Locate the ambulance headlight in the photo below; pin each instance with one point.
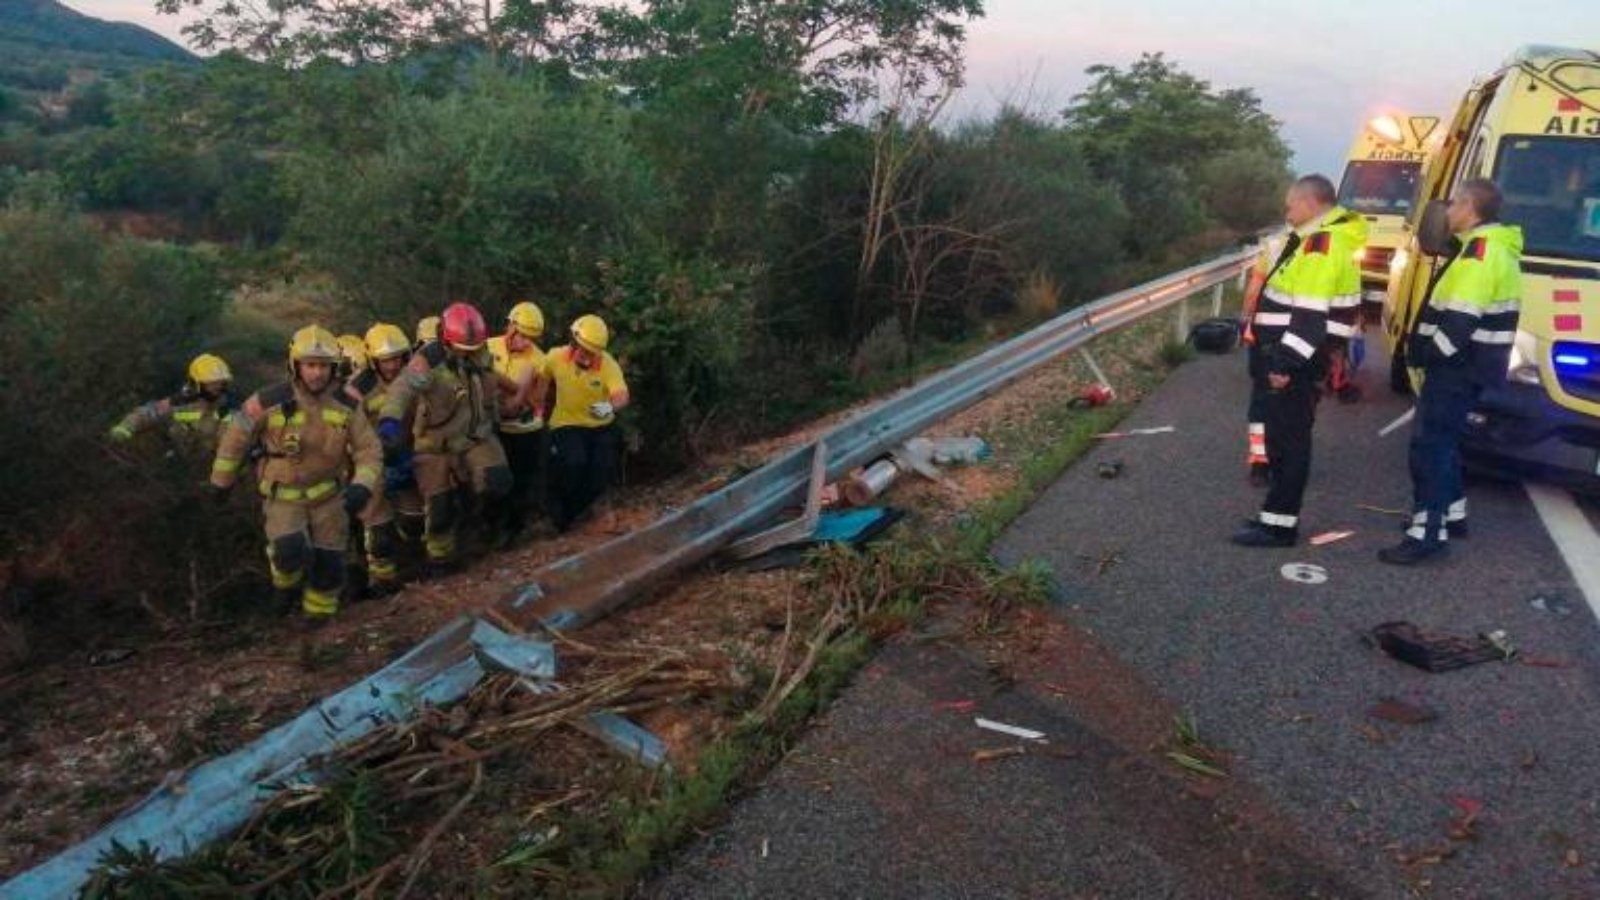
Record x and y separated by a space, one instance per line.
1399 260
1524 367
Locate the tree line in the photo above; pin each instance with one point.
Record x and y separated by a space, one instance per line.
768 200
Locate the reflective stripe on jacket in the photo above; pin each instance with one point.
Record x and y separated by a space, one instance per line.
1473 308
1314 295
308 442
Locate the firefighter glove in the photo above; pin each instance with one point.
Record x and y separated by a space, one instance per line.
389 432
356 498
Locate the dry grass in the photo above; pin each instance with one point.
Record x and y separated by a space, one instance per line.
1039 298
336 838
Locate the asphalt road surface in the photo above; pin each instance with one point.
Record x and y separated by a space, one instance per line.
1499 796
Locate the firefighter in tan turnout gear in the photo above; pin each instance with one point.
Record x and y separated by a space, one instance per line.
387 351
319 464
196 412
453 388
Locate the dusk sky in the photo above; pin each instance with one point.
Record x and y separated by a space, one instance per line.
1321 68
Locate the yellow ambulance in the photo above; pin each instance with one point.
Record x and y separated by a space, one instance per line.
1382 177
1534 127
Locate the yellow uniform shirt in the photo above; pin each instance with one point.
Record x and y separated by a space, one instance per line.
578 389
521 368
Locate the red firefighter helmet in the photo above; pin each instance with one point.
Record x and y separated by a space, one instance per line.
462 328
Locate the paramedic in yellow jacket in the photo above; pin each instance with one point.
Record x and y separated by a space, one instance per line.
452 386
520 363
1310 301
196 413
387 351
585 441
311 436
1462 343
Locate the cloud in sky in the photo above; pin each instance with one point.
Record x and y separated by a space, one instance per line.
1321 68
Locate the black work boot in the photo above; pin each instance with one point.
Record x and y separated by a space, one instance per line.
1258 534
1411 551
435 569
380 588
285 601
356 584
305 623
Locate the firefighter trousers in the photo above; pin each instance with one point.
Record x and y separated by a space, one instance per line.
305 549
480 467
381 533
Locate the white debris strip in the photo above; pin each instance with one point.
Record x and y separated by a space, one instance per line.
1137 432
1026 734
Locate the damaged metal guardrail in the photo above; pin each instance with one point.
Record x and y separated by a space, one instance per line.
208 802
580 589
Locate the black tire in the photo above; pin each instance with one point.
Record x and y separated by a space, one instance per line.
1399 380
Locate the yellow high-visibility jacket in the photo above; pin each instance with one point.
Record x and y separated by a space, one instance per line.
1314 295
1472 312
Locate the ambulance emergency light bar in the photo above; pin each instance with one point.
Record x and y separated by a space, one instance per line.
1387 128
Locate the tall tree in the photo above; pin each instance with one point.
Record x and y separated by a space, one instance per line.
1179 150
361 31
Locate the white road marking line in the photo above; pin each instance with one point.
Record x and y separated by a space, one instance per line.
1397 424
1574 538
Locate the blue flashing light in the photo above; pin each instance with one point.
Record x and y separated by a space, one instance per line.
1576 358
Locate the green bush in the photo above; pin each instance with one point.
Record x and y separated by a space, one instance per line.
509 190
489 194
89 328
683 332
1066 222
1243 188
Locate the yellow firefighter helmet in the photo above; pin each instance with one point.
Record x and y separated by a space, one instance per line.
527 319
354 351
208 367
591 333
385 341
314 343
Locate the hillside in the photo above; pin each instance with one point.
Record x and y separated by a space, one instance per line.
44 26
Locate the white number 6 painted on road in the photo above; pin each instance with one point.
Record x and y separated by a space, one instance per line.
1305 573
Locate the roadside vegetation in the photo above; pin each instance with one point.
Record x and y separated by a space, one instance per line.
506 799
773 230
768 202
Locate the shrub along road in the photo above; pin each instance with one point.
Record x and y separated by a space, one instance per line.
1158 618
